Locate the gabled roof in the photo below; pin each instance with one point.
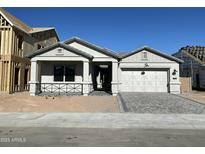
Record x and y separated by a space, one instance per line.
56 45
40 29
13 21
43 29
152 51
195 52
92 46
121 54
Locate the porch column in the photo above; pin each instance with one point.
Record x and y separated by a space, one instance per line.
85 78
34 78
114 78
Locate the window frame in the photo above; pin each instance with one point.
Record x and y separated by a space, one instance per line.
54 74
64 72
20 42
143 57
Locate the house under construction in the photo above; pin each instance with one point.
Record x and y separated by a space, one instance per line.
16 41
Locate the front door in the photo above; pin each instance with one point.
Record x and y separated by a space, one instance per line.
102 77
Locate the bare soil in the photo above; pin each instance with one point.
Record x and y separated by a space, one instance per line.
198 96
23 102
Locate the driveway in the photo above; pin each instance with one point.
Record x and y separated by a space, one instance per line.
159 103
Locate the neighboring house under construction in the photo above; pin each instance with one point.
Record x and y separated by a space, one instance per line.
194 64
16 41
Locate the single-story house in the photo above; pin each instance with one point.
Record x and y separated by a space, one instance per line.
79 67
194 64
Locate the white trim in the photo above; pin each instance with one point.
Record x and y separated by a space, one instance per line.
39 58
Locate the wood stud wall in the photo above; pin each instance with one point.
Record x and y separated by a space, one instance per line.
3 22
10 58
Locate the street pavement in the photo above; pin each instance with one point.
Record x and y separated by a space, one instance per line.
100 137
101 129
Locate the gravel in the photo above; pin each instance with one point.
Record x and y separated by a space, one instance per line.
159 103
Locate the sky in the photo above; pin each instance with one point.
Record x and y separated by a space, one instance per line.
122 29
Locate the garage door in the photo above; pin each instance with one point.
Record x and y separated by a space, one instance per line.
139 80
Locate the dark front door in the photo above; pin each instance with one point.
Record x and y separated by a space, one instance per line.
105 74
106 79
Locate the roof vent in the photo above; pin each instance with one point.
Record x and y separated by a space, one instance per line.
60 50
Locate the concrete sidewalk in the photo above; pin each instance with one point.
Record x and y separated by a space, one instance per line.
103 120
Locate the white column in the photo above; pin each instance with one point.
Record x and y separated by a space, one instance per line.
34 78
85 78
114 78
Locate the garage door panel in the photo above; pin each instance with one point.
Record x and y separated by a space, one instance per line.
152 81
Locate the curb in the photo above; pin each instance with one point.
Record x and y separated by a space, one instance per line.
104 120
122 103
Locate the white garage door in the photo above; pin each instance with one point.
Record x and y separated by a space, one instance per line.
138 80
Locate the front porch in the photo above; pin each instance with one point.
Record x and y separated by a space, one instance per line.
72 78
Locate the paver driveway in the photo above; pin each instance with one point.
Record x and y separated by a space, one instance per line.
159 103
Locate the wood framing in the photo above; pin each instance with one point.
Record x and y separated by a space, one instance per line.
16 41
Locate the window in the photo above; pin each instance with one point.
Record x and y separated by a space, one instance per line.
69 73
20 42
26 74
58 73
64 73
144 56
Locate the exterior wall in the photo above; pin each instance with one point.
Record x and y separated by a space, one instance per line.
153 61
98 56
151 58
190 68
202 77
28 45
47 74
45 38
60 52
88 50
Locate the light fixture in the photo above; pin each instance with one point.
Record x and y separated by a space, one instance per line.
174 72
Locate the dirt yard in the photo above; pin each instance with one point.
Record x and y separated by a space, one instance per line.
198 96
23 102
